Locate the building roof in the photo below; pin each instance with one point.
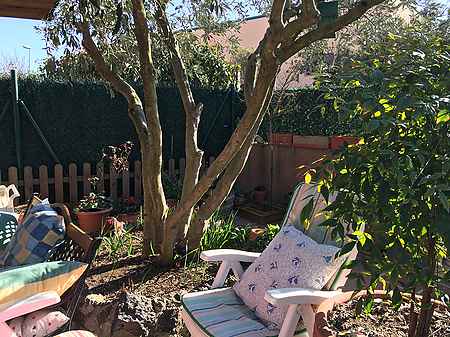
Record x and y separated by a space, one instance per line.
26 9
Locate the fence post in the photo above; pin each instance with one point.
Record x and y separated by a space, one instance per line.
59 183
13 176
113 183
182 168
86 176
172 168
28 182
125 184
43 181
73 183
16 114
99 172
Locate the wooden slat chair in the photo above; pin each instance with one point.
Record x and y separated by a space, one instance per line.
76 246
302 303
8 226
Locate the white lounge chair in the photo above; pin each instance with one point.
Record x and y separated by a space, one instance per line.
237 319
7 196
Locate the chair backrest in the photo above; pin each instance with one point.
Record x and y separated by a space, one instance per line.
8 226
7 196
77 244
302 195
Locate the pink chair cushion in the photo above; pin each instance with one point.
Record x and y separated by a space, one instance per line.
40 323
292 260
16 326
77 333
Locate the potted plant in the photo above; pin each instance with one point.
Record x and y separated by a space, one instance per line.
93 209
171 190
128 210
259 194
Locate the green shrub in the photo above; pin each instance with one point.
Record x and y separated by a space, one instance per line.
396 181
223 233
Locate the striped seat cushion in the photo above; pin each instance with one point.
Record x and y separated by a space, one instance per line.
221 313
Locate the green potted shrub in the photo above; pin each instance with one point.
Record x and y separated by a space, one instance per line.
93 209
260 194
128 210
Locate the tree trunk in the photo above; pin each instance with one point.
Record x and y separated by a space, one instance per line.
192 112
155 210
226 182
426 306
412 315
155 207
426 311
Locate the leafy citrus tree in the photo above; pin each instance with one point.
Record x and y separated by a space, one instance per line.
395 182
293 25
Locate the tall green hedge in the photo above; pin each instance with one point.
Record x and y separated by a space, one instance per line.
79 119
303 112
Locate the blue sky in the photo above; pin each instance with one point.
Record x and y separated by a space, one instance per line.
14 33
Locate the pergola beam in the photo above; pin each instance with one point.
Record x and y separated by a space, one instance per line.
26 9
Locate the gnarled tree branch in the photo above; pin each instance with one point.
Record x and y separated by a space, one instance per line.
135 110
292 45
191 109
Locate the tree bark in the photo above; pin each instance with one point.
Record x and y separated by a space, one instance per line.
225 183
155 207
412 315
426 305
192 111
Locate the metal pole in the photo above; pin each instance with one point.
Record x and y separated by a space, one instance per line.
29 56
39 131
16 116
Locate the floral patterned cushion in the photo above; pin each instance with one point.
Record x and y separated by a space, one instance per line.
40 323
43 323
76 333
16 326
292 260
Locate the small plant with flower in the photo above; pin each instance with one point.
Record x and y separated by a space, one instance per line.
94 201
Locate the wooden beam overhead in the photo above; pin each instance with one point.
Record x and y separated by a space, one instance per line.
26 9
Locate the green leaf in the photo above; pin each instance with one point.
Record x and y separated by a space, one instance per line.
444 200
396 298
346 249
306 212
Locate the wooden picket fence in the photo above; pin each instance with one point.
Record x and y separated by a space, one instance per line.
66 185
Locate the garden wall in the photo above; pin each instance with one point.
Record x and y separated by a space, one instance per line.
276 167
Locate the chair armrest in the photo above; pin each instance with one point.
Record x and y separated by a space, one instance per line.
228 255
30 304
299 296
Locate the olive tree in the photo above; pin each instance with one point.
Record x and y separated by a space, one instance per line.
293 25
395 183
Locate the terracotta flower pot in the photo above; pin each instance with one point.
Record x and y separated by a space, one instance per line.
281 138
336 142
259 196
128 217
256 233
93 221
